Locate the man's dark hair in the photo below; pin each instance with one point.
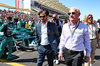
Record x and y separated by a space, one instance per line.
57 21
10 18
45 11
54 19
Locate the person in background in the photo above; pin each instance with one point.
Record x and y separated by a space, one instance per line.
15 22
1 21
19 23
7 28
82 21
30 20
98 24
23 23
27 24
94 21
74 40
32 24
65 21
47 38
93 34
58 21
39 22
79 19
54 20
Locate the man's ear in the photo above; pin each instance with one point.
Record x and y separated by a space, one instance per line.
79 14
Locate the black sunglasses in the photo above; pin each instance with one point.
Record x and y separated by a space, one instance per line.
71 13
42 16
90 18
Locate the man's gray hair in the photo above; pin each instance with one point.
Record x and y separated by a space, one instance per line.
78 10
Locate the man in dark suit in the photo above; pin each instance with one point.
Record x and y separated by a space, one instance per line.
47 38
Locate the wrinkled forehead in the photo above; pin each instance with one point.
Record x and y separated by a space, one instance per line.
73 10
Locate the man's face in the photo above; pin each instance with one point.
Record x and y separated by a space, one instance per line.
73 15
43 17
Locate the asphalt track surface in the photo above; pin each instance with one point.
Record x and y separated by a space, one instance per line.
29 58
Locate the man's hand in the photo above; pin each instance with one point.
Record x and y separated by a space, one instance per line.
86 59
60 56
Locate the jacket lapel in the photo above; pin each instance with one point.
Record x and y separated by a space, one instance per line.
48 28
40 29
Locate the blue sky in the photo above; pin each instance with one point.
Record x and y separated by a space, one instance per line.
85 6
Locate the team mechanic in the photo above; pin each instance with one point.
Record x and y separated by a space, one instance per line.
7 28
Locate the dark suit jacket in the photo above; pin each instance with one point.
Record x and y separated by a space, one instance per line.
52 32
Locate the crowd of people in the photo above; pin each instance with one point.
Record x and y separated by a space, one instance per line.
10 20
20 15
76 40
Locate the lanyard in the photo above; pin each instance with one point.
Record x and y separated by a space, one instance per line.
74 29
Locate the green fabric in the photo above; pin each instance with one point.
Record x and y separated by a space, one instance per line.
10 28
6 41
18 24
7 28
1 22
23 24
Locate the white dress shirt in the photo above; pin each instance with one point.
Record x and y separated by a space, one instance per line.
92 31
44 37
77 41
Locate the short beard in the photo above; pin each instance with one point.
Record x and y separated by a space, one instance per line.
44 21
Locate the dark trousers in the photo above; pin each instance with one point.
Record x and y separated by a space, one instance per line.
42 52
73 58
56 56
99 31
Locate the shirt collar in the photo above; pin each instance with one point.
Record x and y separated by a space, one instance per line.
75 24
45 24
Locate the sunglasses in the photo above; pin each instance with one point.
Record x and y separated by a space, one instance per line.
90 18
71 13
42 16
